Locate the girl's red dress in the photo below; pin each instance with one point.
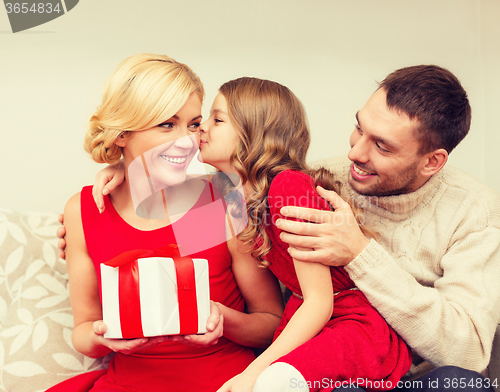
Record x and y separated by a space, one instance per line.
168 366
356 346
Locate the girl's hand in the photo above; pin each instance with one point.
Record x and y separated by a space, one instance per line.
125 346
215 326
106 181
243 382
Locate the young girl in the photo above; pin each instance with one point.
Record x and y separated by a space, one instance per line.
329 335
151 108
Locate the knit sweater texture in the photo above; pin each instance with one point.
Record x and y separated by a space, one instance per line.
434 270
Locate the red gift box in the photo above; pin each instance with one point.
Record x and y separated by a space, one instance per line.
154 293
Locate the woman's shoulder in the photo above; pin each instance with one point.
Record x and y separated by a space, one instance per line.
74 204
72 211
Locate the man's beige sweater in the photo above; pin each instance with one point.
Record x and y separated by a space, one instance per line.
434 271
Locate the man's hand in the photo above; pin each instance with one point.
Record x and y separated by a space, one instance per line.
61 232
334 236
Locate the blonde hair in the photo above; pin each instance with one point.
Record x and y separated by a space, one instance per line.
142 92
273 136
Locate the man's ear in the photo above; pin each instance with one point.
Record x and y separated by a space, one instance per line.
434 162
122 139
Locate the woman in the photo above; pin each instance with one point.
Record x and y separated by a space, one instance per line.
151 110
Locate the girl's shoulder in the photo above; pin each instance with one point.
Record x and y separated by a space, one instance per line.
294 188
291 181
291 174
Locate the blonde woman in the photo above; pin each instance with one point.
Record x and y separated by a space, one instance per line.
153 103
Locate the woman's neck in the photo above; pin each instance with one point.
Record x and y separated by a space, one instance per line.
159 209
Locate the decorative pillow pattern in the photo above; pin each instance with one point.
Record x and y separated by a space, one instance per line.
35 315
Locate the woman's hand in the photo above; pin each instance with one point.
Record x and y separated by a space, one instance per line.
125 346
215 326
106 181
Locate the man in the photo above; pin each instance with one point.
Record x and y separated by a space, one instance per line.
433 269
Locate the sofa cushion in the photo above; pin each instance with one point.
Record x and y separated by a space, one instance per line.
35 313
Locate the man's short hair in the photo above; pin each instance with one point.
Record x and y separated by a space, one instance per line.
435 97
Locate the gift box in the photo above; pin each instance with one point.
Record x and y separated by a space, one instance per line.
154 293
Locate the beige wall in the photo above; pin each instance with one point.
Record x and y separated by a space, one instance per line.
329 52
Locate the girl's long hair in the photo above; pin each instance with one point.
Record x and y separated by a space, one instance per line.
273 136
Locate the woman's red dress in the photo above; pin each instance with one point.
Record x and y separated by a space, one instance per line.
168 366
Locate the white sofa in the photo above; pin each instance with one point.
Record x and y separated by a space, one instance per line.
35 313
